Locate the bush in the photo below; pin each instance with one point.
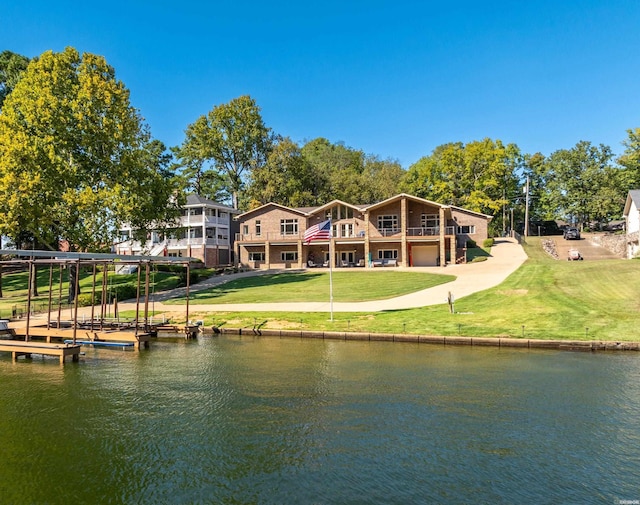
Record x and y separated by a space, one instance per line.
471 244
124 292
488 243
478 259
84 299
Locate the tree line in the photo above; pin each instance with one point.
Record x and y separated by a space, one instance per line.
77 161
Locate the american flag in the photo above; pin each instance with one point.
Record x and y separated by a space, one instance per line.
318 231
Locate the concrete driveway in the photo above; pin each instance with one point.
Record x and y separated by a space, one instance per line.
588 249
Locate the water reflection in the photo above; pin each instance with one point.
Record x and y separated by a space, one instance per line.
267 420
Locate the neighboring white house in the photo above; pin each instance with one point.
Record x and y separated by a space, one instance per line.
206 231
632 220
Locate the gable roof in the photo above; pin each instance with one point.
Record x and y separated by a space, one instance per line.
271 204
194 200
467 211
404 195
315 210
309 211
633 196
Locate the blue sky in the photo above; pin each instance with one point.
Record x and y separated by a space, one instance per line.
393 78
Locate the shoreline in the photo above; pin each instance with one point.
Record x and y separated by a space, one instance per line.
522 343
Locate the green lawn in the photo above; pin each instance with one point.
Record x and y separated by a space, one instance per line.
352 286
545 298
14 287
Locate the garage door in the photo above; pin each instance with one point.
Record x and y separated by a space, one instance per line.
425 256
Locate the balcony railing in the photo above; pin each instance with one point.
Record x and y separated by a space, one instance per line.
199 220
183 242
389 232
252 237
432 231
384 232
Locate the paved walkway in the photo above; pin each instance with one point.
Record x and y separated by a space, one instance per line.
506 257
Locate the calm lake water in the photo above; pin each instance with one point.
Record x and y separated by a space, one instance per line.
238 420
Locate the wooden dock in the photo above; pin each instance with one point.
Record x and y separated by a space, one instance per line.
18 348
189 331
51 335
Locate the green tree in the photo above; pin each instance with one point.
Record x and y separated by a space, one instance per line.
630 158
337 170
480 176
196 179
12 66
231 140
76 161
583 185
286 178
380 179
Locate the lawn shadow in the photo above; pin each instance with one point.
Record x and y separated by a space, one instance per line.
476 252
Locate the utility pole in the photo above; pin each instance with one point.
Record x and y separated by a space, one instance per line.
504 216
526 209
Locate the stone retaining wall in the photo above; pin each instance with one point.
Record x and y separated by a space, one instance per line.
569 345
617 244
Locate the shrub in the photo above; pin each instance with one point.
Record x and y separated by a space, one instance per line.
84 299
478 259
488 243
123 292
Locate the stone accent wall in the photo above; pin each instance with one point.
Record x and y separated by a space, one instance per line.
617 244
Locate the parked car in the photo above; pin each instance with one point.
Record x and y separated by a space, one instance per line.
572 234
574 255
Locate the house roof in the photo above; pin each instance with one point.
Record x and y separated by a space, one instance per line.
404 195
271 204
309 211
467 211
633 196
335 202
194 200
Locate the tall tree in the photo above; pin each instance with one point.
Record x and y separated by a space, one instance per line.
582 183
12 66
479 176
196 179
630 159
76 160
286 178
232 140
380 179
337 170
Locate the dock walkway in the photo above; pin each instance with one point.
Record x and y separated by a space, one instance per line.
18 348
61 334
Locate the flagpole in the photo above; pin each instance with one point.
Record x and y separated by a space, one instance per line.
330 278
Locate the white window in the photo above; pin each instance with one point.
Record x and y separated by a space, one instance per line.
245 229
430 220
388 254
389 222
288 227
258 228
341 212
466 229
256 256
346 229
289 255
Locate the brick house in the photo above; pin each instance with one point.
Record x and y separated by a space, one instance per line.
403 230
